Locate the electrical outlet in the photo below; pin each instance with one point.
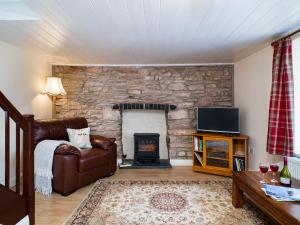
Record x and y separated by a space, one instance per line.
251 150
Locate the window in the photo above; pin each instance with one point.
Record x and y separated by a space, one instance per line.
296 72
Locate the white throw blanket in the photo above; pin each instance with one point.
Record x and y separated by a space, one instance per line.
43 160
24 221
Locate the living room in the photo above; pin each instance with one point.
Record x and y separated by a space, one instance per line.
140 73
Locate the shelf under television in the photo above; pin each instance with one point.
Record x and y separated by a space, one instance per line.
217 158
198 152
239 156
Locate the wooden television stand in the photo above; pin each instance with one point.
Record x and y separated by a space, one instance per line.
219 154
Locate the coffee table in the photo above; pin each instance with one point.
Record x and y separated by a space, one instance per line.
248 183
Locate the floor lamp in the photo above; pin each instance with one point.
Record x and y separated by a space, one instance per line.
54 88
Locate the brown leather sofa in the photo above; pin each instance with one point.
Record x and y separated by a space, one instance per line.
73 168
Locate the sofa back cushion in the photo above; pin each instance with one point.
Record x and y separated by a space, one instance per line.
56 129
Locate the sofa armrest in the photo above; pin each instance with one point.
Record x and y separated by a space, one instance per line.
65 149
65 173
98 141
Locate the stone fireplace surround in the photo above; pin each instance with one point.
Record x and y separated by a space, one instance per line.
92 92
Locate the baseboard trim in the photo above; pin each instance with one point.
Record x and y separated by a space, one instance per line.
181 162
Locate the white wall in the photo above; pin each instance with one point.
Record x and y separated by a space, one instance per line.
22 75
252 86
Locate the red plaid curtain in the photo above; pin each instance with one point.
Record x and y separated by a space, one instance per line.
281 112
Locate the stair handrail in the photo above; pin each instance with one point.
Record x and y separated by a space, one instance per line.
24 122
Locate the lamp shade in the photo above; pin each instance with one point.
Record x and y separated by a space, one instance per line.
54 87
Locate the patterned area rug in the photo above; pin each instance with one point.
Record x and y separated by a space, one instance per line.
162 202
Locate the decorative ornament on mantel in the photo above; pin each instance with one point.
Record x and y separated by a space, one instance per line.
54 88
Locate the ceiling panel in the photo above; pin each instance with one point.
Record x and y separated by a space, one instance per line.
151 31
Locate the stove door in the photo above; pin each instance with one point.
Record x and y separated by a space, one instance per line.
146 148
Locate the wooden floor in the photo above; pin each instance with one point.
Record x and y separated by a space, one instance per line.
56 209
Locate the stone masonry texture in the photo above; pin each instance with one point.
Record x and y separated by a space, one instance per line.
93 90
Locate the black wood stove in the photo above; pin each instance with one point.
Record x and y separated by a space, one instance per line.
146 148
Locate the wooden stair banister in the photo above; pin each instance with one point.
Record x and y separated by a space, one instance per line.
7 106
17 202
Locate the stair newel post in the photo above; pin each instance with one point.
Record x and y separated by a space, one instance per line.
28 167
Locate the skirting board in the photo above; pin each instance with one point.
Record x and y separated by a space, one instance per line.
181 162
176 162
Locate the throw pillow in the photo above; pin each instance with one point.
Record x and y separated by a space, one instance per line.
80 137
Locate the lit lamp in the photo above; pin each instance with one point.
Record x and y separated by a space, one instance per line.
54 88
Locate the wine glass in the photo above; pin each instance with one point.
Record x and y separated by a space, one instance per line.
264 167
124 156
274 167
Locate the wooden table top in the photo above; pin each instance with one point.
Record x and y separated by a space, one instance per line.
251 179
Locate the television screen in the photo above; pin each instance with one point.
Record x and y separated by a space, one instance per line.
225 120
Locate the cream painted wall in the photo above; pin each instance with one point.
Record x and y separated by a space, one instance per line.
22 75
252 86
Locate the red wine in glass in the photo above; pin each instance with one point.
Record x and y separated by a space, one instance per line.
264 167
274 167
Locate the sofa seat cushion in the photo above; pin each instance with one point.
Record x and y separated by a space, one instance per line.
94 158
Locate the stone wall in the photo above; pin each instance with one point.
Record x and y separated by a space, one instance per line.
91 92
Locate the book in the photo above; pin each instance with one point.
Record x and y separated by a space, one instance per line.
280 193
234 165
242 164
199 157
196 144
201 146
238 164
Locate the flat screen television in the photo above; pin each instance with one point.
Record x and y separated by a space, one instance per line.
223 120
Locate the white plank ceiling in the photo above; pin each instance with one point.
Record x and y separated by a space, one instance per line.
151 31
